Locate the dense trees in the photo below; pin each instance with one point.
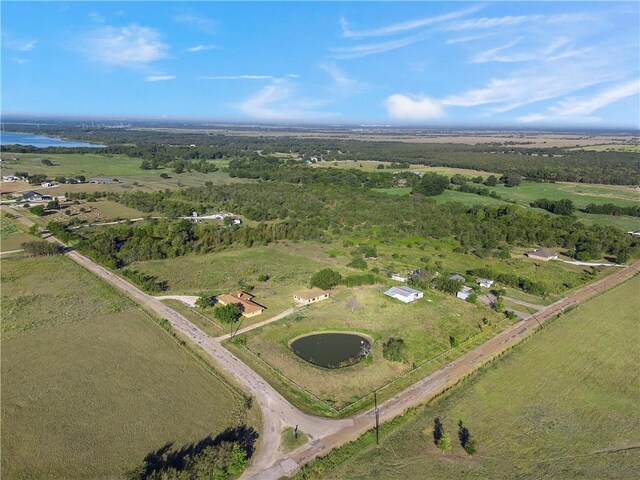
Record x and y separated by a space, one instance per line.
558 207
326 279
611 209
41 248
542 164
432 184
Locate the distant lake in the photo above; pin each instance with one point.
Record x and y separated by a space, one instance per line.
12 138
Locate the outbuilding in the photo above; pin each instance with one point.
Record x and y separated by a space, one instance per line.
305 297
542 254
404 294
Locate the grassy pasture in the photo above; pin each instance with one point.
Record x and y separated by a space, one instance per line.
424 325
90 384
561 405
12 234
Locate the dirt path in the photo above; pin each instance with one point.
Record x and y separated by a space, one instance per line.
11 251
326 434
275 318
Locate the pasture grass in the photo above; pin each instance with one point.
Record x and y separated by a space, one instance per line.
561 405
290 441
90 383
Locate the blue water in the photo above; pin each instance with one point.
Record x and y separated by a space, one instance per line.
12 138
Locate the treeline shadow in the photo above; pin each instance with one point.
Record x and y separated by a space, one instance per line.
167 457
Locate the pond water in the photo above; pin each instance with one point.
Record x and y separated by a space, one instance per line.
331 350
13 138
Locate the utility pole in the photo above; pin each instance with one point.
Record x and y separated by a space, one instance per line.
377 410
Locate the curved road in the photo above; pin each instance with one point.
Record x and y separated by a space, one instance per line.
326 434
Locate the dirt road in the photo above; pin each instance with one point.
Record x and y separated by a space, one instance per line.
326 434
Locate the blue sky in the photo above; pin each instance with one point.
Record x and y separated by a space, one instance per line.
452 63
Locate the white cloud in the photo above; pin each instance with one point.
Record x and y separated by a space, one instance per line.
363 50
512 20
582 107
237 77
129 46
412 108
343 83
281 101
159 78
202 23
96 17
20 61
18 44
550 52
200 48
403 26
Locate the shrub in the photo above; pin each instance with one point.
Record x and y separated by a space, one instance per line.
326 279
37 210
358 262
263 277
41 248
394 349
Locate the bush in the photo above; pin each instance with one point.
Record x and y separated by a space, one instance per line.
358 262
41 248
394 349
432 184
38 210
360 279
454 342
326 279
263 277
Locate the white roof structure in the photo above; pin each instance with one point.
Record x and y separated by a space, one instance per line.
404 294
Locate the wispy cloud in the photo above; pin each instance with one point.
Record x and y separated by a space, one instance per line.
413 108
237 77
159 78
343 84
200 48
484 23
96 17
20 61
201 22
581 107
18 44
280 100
402 27
363 50
130 46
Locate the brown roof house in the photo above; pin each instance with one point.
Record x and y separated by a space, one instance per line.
244 300
542 254
305 297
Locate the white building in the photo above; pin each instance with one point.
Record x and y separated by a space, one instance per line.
404 294
484 282
464 293
399 278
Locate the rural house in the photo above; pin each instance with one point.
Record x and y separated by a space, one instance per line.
464 293
305 297
484 282
244 300
404 294
542 254
32 196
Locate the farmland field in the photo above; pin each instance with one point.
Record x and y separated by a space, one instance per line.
12 235
90 383
562 405
425 327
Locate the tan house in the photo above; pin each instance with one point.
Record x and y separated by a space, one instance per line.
305 297
542 254
244 300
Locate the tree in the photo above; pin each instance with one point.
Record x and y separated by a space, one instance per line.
145 164
41 248
498 305
164 175
394 349
438 430
205 300
477 179
444 444
53 205
237 460
37 210
491 181
61 179
358 262
263 277
458 179
228 314
453 341
46 162
511 180
466 441
325 279
432 184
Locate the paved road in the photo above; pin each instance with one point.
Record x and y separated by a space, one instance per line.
325 434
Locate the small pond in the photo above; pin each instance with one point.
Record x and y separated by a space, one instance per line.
332 350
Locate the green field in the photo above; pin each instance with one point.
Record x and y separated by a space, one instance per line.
562 405
12 234
90 383
527 192
424 325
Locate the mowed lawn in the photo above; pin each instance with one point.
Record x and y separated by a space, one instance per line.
90 383
425 326
562 405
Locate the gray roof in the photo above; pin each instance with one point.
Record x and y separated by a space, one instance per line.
31 194
541 252
457 277
402 291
